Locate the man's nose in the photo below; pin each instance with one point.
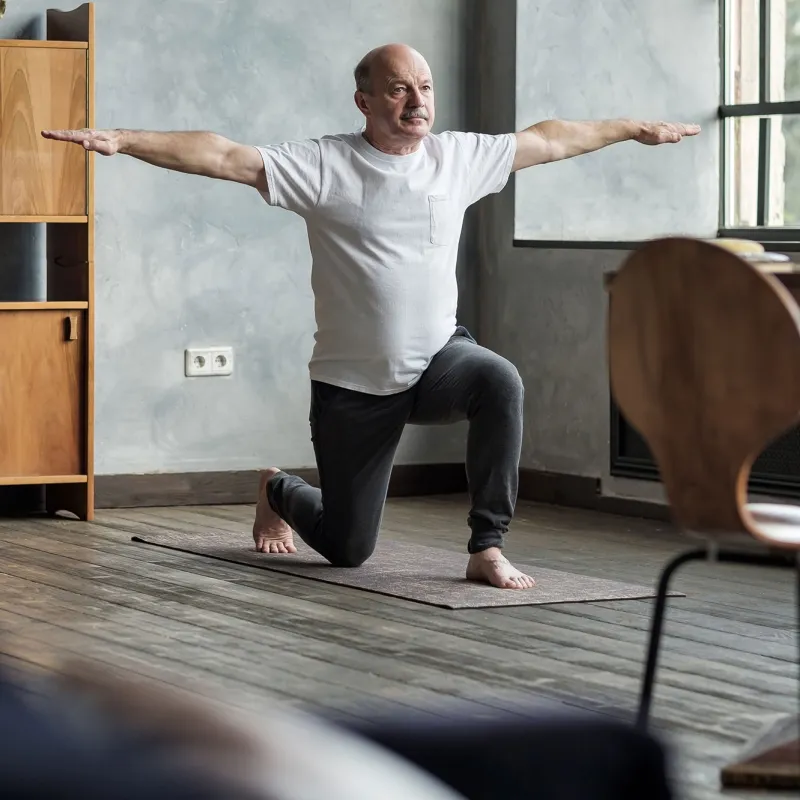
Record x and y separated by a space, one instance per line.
415 99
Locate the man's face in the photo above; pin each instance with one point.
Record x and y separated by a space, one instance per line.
400 107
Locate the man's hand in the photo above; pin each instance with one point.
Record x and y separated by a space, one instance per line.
107 143
653 133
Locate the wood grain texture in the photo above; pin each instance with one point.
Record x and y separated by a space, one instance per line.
83 22
38 480
43 44
704 356
70 257
41 395
42 218
41 89
212 629
44 306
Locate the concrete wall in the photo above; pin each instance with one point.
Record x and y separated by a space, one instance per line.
185 261
545 309
603 60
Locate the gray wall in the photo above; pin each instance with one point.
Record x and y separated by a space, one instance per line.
545 309
184 261
607 59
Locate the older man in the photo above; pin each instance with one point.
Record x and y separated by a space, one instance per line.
384 208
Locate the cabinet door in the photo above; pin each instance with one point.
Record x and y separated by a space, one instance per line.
42 393
41 89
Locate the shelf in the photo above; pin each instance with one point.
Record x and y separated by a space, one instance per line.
54 45
12 218
56 305
38 480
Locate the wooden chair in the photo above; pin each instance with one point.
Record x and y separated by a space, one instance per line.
704 361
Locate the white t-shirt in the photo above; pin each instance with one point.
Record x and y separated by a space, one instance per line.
383 232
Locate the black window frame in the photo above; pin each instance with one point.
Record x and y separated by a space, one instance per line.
773 237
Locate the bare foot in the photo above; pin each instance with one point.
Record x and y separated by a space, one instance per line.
491 566
270 533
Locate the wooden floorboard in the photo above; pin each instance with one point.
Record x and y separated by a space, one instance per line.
251 637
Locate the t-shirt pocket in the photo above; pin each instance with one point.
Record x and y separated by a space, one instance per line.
442 219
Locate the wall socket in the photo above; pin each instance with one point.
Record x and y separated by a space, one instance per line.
208 362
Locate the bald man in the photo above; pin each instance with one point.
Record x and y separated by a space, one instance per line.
384 208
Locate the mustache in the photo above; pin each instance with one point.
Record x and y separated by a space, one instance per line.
415 113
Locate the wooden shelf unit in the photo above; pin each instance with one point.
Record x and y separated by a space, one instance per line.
47 347
44 44
45 305
40 217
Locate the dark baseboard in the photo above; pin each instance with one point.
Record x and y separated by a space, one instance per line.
578 491
408 480
241 486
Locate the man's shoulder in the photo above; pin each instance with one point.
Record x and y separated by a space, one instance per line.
338 140
459 141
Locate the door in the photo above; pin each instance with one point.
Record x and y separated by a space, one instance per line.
41 88
42 392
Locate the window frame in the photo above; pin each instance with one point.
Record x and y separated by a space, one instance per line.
764 110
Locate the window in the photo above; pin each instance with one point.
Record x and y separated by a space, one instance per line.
761 118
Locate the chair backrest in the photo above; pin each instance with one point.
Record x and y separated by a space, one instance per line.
704 361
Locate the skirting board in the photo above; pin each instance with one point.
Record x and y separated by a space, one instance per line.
408 480
231 488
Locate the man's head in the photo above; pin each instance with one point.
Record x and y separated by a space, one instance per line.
394 91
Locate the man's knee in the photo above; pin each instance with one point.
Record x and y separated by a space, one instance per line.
501 380
352 551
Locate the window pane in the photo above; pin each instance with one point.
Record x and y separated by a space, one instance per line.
784 56
741 158
742 79
784 168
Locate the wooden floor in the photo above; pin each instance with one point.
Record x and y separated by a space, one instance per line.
729 665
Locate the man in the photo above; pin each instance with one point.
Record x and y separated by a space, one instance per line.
384 209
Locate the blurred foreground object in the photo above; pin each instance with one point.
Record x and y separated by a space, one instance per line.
91 734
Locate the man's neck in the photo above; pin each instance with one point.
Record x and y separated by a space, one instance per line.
392 149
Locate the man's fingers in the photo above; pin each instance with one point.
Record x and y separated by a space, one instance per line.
71 136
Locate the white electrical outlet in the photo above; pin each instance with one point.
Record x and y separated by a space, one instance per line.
205 362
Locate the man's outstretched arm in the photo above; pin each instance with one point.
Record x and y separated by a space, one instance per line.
194 152
555 140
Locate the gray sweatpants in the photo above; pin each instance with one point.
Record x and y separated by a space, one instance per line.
355 437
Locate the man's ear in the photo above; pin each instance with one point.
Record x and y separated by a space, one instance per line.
361 102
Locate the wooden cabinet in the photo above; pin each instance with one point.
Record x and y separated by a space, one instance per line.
41 88
42 393
47 347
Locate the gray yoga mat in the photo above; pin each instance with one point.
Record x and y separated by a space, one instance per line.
423 574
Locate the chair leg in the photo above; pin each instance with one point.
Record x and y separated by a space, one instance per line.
655 631
724 556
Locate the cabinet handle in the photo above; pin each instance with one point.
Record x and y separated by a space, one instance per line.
72 327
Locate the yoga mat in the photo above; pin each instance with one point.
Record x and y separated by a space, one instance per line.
422 574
